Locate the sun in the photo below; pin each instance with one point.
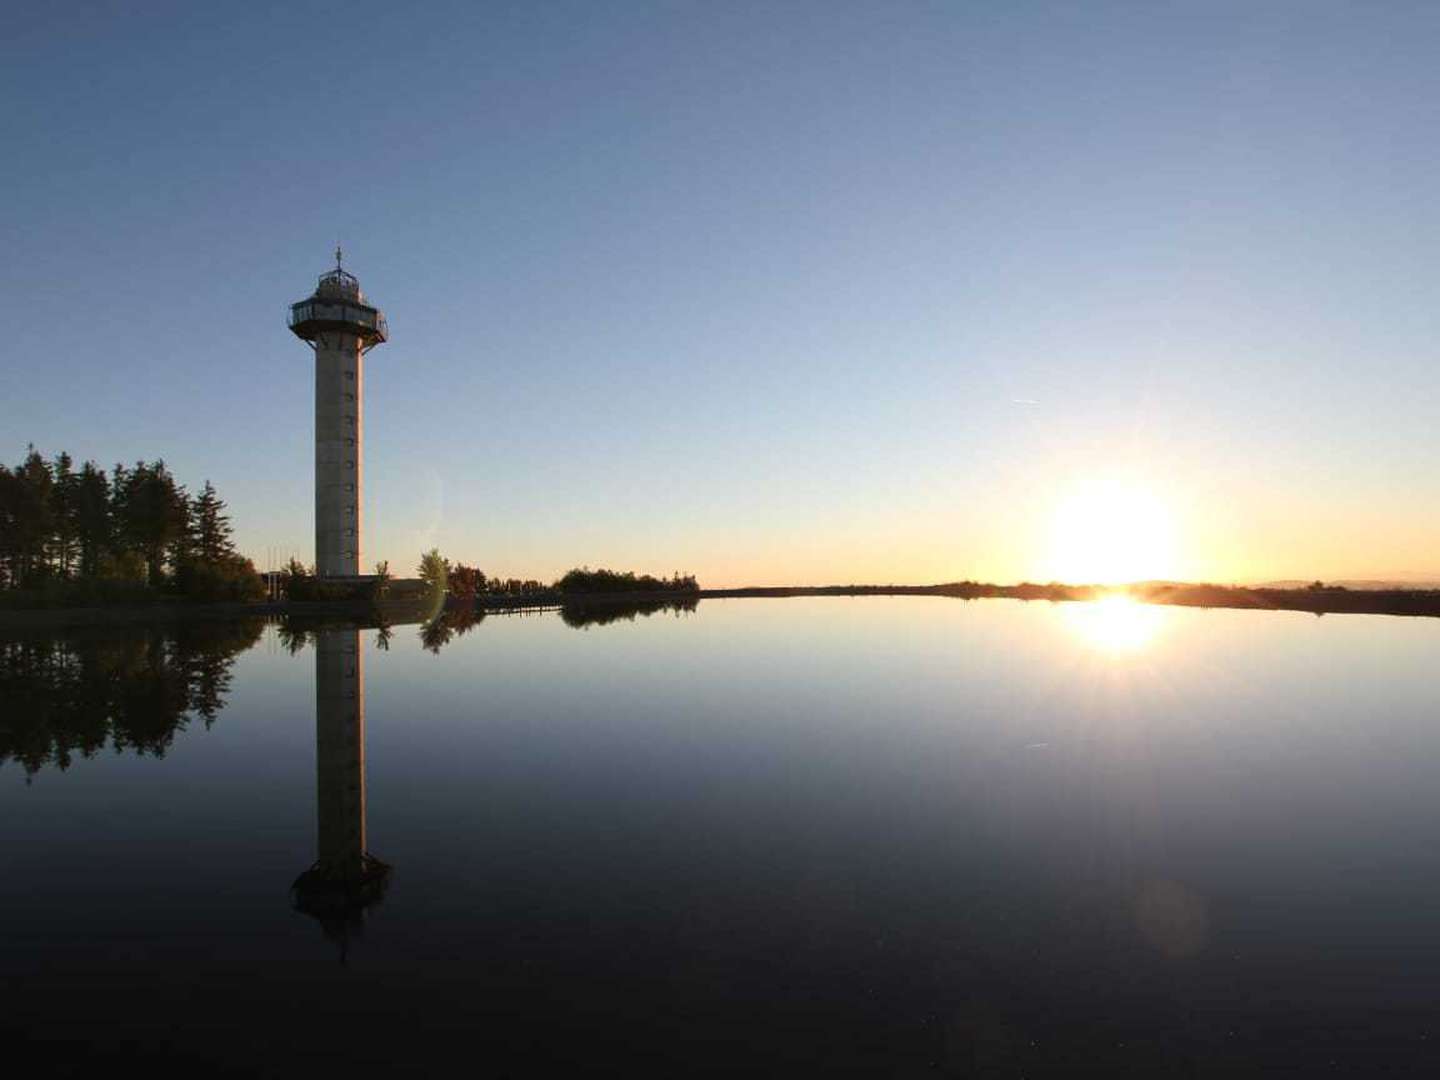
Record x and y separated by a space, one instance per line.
1111 531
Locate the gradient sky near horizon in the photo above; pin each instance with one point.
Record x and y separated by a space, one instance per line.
773 293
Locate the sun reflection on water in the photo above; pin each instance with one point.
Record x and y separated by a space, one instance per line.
1115 623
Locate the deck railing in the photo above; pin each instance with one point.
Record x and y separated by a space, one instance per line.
332 311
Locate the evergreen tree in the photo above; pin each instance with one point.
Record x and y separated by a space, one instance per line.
154 518
181 548
136 526
9 501
210 525
34 517
93 529
65 546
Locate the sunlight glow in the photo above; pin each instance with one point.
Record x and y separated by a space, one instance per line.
1111 531
1115 624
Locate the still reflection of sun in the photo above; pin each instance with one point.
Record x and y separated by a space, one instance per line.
1114 624
1110 531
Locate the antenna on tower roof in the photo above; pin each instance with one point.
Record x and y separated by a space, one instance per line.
337 255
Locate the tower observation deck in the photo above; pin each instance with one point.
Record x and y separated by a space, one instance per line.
341 326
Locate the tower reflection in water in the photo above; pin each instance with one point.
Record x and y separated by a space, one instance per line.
345 880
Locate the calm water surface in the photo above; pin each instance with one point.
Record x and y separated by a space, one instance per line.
876 836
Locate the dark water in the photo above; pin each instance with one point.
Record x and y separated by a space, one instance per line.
883 837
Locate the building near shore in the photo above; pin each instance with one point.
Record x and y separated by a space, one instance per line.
340 325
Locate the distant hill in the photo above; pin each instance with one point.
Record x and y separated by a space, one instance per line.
1399 581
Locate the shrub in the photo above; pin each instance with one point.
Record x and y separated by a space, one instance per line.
229 577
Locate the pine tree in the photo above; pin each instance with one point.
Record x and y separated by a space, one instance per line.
135 525
65 548
210 525
9 528
153 515
181 547
34 516
93 527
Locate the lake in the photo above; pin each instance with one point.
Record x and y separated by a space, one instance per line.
875 836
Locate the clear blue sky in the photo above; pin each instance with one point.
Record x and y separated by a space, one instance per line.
768 292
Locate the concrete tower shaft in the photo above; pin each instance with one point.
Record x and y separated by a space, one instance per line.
341 326
339 455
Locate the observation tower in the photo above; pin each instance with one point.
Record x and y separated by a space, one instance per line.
341 326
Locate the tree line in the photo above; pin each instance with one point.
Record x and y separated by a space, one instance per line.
585 580
459 580
81 534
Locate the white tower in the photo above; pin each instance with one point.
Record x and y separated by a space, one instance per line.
341 327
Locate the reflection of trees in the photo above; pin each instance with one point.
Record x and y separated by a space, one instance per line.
577 612
132 689
582 613
293 635
452 623
296 633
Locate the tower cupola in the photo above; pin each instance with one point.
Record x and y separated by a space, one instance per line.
338 306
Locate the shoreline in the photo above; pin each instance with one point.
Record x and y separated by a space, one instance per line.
1322 601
